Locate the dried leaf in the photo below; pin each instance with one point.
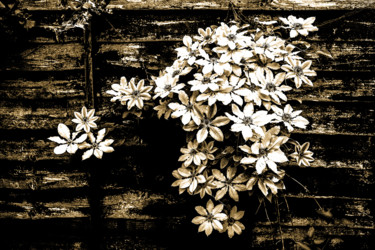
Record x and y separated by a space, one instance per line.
325 213
302 246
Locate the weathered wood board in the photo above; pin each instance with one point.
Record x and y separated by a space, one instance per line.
125 201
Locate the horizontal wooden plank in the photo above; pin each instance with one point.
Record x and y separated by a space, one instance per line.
30 90
47 57
131 26
158 55
217 4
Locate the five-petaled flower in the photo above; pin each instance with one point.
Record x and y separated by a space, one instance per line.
96 146
68 144
265 152
192 154
210 217
85 120
299 25
209 125
232 225
248 121
289 117
298 71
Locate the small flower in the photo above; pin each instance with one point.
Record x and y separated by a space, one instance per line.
68 144
163 109
190 178
210 217
206 187
137 94
299 25
267 151
208 149
188 109
192 154
232 224
264 64
85 120
209 125
268 46
267 181
166 85
298 71
247 121
213 64
178 68
118 90
228 36
229 183
271 86
205 36
188 52
302 155
289 117
203 82
97 146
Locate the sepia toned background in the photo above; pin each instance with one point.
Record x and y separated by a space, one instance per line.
125 201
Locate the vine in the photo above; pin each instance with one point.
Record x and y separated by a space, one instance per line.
228 90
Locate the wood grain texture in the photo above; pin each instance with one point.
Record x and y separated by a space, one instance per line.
125 201
216 4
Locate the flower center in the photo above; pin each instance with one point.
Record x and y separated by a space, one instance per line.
298 70
84 119
262 152
167 87
248 121
270 87
213 60
265 46
286 117
231 37
136 93
206 80
207 37
175 73
297 26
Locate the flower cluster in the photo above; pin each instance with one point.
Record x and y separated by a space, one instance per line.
228 88
71 142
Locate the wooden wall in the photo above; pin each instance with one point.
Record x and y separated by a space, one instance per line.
125 201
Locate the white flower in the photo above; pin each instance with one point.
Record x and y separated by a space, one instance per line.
68 144
266 152
269 46
228 36
248 121
136 94
289 117
188 108
188 52
271 86
203 82
165 85
298 71
213 64
118 90
205 36
210 218
299 25
97 146
85 120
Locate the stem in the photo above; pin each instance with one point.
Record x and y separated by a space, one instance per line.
278 221
306 189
